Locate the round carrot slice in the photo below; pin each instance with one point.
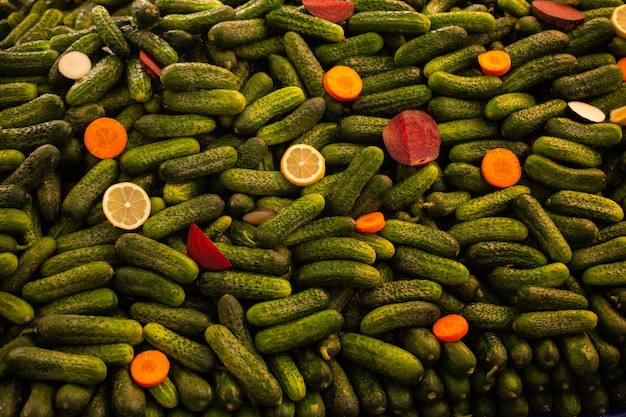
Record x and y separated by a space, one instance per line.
342 83
149 368
105 138
450 328
501 168
370 222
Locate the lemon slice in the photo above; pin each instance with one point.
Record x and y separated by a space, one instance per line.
302 164
618 116
618 18
126 205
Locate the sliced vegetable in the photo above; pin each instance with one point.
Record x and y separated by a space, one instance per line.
370 222
562 16
149 368
150 65
202 250
586 111
622 64
335 11
105 138
494 62
412 138
450 328
342 83
501 168
74 65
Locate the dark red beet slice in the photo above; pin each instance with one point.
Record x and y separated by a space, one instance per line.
560 15
412 138
202 250
335 11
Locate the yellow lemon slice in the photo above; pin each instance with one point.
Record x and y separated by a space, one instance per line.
618 18
126 205
618 116
302 164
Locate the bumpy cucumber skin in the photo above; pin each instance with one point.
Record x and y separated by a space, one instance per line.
248 370
30 362
554 323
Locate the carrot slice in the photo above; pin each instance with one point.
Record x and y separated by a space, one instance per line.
105 138
494 62
149 368
622 64
370 222
450 328
501 168
343 83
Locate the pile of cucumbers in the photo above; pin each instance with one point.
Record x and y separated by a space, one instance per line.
312 318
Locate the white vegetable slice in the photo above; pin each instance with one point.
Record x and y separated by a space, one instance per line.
587 111
74 65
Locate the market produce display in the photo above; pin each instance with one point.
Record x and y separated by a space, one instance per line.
318 208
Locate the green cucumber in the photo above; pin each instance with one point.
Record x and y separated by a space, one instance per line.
191 353
536 324
285 19
426 265
539 70
201 209
601 134
525 121
389 21
87 329
399 314
249 371
490 204
134 281
424 47
243 284
140 251
587 205
95 301
336 272
481 87
79 278
389 360
207 102
505 278
30 362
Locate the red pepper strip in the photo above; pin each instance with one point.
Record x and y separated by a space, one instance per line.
149 65
202 250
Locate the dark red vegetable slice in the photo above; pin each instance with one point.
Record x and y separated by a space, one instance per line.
202 250
335 11
560 15
149 65
412 138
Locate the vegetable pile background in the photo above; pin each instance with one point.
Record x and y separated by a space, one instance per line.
273 298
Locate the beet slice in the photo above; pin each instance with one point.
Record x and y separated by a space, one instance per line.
335 11
560 15
412 138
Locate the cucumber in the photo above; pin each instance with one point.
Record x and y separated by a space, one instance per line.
189 352
134 281
112 354
30 362
586 205
88 329
536 324
408 22
525 121
401 291
601 253
194 390
586 84
298 121
95 301
490 204
126 397
361 43
392 101
264 261
182 76
271 105
272 312
530 47
426 265
567 151
140 251
28 263
588 36
336 272
243 284
339 247
15 309
298 332
304 209
539 70
424 47
201 209
83 277
70 259
110 33
480 87
601 134
43 108
40 400
284 19
165 394
500 106
489 254
551 275
251 373
399 314
491 228
382 357
159 126
534 298
471 21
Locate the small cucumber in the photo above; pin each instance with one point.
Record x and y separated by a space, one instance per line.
537 324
